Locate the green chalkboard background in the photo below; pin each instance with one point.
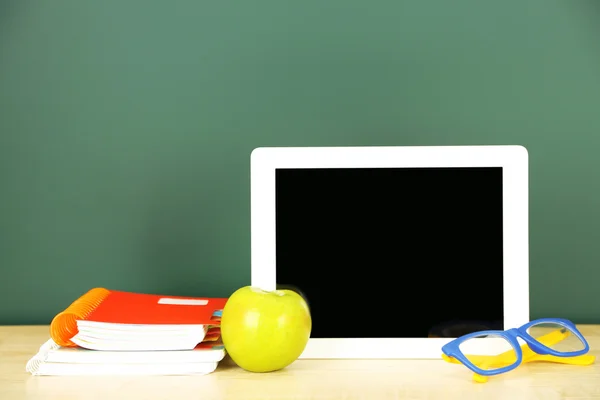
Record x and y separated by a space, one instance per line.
126 129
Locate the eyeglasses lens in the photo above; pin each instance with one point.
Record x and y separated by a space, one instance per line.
556 336
489 352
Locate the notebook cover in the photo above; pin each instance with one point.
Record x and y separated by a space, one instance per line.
136 308
111 306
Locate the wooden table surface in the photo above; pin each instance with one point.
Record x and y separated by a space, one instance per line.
304 379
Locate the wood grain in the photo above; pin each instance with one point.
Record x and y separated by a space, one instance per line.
305 379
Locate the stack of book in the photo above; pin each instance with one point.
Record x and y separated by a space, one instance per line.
108 332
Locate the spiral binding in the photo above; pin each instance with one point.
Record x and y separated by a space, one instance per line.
33 365
64 325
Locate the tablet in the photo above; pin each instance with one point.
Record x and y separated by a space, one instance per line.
397 250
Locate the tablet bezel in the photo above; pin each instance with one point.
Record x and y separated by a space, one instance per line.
512 159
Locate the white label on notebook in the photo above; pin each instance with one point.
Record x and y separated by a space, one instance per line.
183 302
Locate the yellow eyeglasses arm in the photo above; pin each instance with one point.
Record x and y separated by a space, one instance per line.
585 359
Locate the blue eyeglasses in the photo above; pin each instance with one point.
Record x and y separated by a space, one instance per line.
495 352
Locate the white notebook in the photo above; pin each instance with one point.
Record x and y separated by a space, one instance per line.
52 359
64 369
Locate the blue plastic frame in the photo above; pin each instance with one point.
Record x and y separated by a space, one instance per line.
452 349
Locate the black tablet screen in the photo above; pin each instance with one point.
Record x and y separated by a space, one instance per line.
406 252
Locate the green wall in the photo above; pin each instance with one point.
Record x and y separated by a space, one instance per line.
126 129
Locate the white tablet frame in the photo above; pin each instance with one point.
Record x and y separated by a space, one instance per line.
512 159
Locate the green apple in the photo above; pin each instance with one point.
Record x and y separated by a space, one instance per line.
265 331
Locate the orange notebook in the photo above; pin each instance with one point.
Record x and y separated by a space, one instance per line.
113 320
